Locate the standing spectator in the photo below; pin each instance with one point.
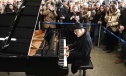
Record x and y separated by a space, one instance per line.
75 16
49 16
41 17
10 9
107 9
121 6
70 5
100 18
91 14
1 8
96 27
4 5
85 13
62 11
81 5
112 24
122 29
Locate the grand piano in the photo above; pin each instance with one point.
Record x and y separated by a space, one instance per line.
16 39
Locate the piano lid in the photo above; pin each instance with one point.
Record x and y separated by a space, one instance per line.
22 29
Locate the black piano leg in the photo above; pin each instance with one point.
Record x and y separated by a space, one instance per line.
8 73
84 72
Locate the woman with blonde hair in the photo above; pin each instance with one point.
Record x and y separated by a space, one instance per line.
112 24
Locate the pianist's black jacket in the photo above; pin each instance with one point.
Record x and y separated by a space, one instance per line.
82 48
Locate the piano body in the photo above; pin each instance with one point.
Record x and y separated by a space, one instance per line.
16 38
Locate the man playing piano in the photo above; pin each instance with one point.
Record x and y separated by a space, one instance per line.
81 48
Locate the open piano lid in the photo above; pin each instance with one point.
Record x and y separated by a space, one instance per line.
22 29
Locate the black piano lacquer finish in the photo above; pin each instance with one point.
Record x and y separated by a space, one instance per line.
14 57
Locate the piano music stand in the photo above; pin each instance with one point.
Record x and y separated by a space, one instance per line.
49 37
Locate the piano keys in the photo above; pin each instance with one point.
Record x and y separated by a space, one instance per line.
62 51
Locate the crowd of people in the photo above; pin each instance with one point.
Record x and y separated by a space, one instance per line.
88 13
10 6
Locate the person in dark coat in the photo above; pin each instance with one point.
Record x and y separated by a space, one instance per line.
81 48
122 29
62 12
9 9
99 19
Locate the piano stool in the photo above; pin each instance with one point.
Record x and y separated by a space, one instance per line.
85 66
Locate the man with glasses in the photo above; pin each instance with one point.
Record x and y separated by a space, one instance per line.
81 48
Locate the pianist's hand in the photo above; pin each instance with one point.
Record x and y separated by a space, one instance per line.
67 48
67 54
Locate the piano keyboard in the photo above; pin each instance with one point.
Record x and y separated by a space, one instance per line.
62 51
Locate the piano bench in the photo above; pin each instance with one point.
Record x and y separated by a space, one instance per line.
84 67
